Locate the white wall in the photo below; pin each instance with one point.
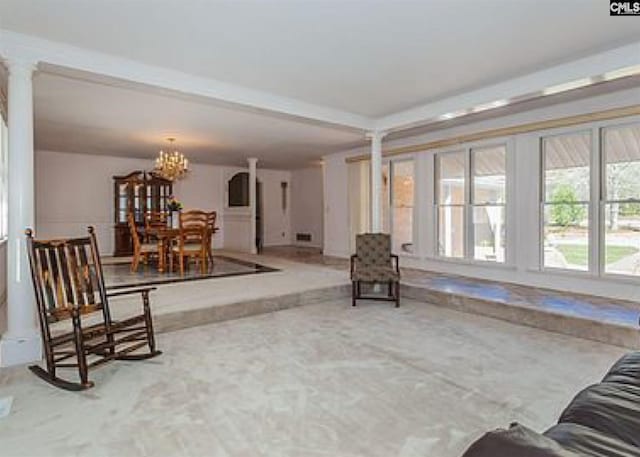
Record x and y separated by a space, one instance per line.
76 190
522 209
277 221
336 206
307 205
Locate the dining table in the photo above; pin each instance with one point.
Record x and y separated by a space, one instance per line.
165 235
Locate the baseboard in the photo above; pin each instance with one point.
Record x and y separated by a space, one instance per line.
20 350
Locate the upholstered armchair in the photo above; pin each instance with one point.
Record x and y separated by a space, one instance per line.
373 263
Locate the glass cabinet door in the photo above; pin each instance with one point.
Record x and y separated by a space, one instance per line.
123 203
137 202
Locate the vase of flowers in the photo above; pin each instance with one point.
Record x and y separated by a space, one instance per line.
174 206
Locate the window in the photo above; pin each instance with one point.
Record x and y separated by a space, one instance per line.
4 173
359 199
489 193
450 203
239 190
396 198
591 201
621 199
471 201
402 195
566 197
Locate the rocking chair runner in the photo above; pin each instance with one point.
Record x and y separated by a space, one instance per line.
69 284
372 263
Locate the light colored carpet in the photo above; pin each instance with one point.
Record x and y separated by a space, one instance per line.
318 380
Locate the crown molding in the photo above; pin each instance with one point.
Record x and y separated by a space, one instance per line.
582 72
592 69
15 45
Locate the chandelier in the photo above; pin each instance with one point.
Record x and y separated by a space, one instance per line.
171 164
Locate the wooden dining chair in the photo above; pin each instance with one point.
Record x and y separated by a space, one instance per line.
191 244
140 250
69 288
193 218
154 220
211 223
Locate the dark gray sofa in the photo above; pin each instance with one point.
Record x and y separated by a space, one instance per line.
603 420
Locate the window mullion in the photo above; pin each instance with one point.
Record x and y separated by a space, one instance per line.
468 206
596 224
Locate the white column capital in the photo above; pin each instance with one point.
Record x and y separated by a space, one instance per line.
252 161
376 135
21 66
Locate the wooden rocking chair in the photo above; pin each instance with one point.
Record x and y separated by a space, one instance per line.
69 284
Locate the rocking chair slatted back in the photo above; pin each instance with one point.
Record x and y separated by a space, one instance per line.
67 276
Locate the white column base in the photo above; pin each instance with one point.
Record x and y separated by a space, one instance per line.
20 350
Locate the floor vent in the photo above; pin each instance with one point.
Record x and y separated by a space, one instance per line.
303 236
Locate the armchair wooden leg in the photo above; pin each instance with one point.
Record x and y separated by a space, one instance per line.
353 293
397 297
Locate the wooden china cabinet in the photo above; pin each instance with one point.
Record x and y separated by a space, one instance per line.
138 192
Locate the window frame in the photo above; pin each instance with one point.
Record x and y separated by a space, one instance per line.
468 204
388 197
597 228
437 205
542 201
602 200
473 204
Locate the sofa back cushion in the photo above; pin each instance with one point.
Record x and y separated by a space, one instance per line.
517 441
610 408
585 441
626 370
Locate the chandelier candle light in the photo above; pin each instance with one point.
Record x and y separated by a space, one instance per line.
172 164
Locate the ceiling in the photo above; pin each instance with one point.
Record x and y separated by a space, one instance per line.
372 58
74 114
85 117
367 57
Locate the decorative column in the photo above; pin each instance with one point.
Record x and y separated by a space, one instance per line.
253 203
376 180
21 342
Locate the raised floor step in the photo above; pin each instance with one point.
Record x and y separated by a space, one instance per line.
594 318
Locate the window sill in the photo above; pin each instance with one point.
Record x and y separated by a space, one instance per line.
621 279
407 255
471 263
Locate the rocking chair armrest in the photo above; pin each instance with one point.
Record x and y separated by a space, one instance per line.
138 290
397 259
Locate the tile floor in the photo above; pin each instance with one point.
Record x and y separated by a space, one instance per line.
318 380
118 274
